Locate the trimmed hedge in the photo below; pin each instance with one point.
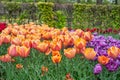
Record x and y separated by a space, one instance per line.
79 15
102 16
46 13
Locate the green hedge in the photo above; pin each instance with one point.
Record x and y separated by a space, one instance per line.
87 16
84 15
46 13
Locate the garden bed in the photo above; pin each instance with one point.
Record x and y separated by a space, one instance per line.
69 55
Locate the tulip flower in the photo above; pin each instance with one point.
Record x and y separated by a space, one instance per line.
5 58
56 46
68 77
27 43
68 41
70 52
54 53
43 46
87 36
12 51
79 51
14 31
35 43
56 57
97 69
44 70
2 26
7 38
79 32
103 60
1 40
113 52
80 43
16 41
23 51
47 35
19 66
89 53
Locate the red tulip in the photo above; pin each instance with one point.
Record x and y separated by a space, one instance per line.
2 26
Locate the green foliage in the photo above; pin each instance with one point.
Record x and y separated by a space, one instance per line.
12 6
46 13
86 16
60 19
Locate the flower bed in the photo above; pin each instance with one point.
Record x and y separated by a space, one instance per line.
63 54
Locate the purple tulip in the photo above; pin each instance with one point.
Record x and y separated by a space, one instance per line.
112 65
97 69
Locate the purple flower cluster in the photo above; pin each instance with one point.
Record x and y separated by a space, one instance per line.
101 44
97 69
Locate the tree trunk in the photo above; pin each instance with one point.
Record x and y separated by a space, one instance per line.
78 1
99 1
57 1
116 1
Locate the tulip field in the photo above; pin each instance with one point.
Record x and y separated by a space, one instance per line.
39 52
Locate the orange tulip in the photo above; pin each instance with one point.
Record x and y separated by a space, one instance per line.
68 77
43 46
113 52
103 60
35 43
23 51
14 31
1 40
70 52
79 51
56 58
16 41
47 35
54 53
44 70
89 53
19 66
88 36
68 41
48 51
7 30
7 38
80 43
6 58
56 46
64 30
27 43
12 51
79 32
